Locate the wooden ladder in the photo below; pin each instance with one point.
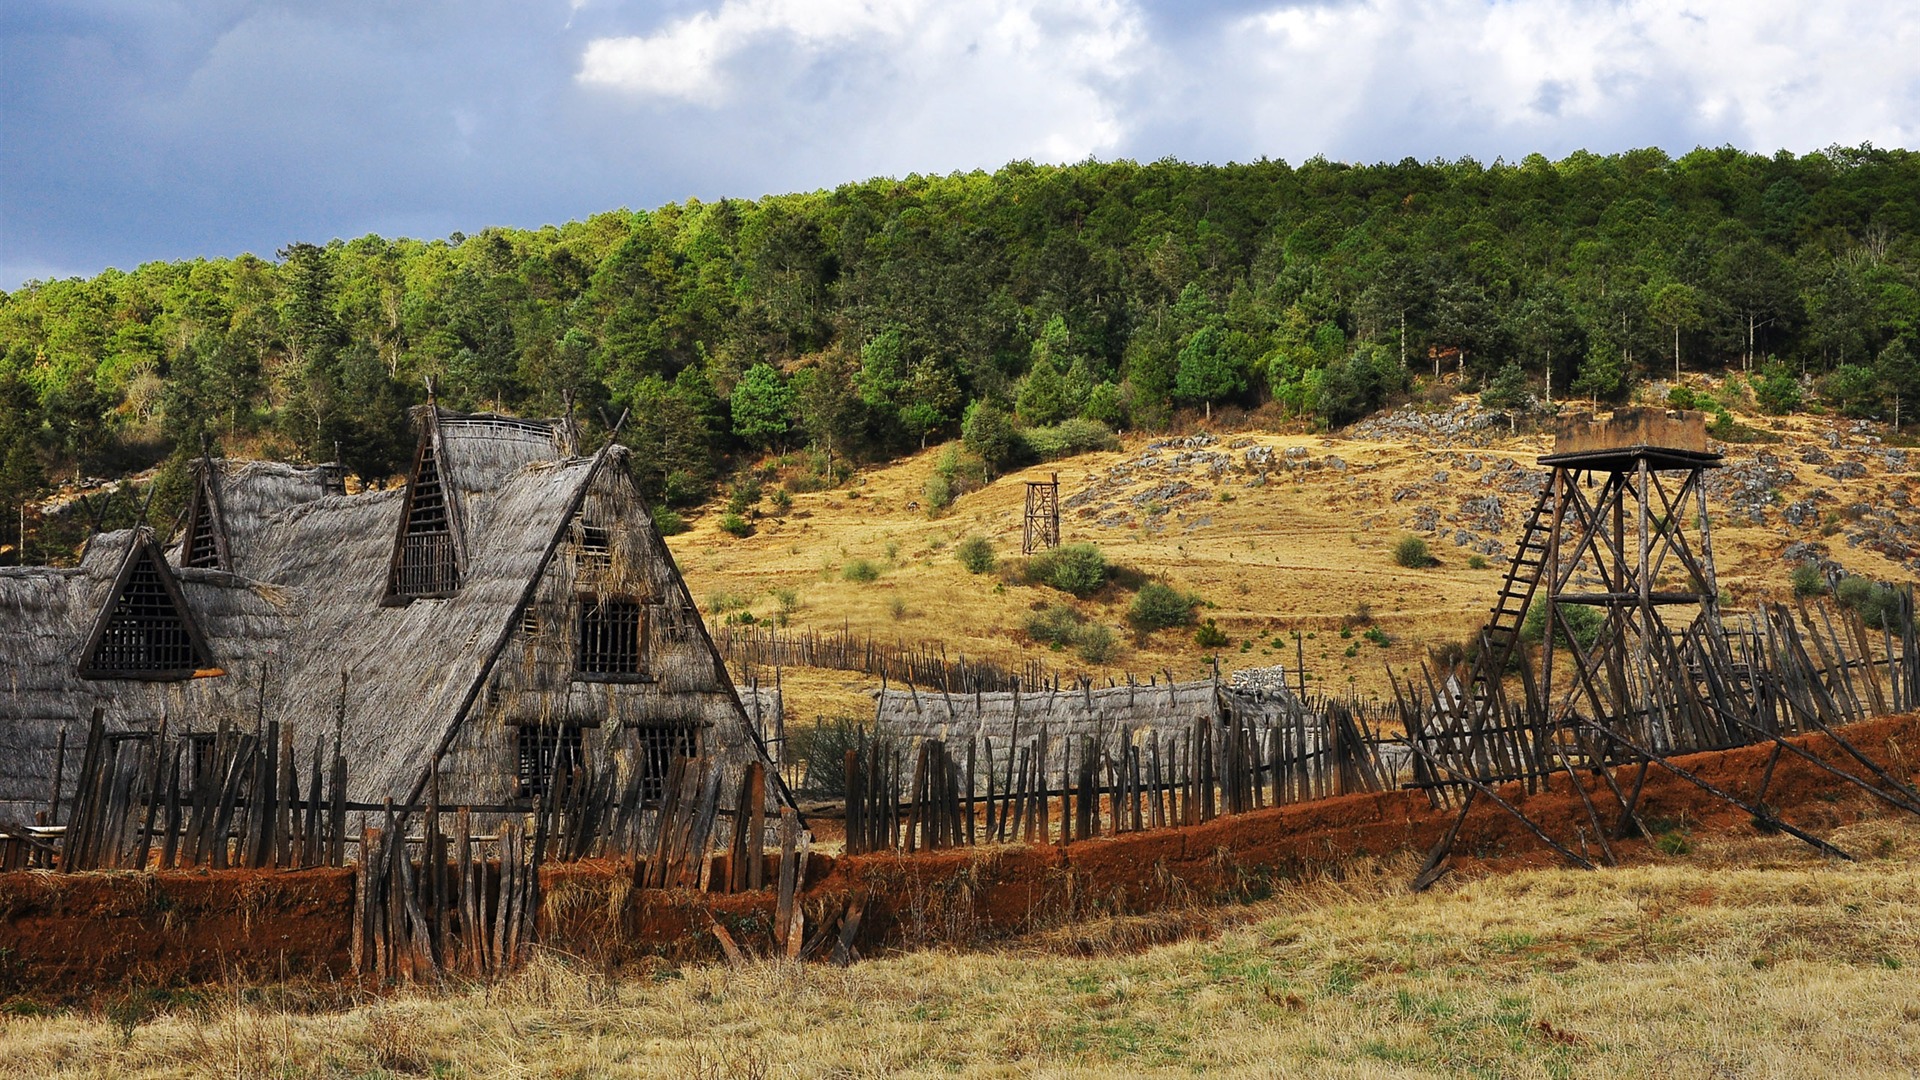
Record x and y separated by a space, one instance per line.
1502 632
1463 722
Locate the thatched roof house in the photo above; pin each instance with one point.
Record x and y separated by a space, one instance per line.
509 612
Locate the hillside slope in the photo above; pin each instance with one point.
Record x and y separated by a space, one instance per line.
1278 533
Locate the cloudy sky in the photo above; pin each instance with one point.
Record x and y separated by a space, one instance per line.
134 130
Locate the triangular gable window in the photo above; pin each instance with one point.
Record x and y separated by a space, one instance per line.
425 560
145 631
205 544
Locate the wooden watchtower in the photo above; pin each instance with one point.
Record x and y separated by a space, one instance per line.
1043 515
1628 537
1620 528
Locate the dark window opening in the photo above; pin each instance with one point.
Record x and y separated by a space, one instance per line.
610 633
426 564
203 550
659 746
529 624
546 754
146 633
592 550
203 541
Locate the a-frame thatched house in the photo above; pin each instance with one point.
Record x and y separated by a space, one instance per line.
509 613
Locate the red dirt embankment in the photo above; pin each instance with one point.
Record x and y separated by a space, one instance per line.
63 934
60 933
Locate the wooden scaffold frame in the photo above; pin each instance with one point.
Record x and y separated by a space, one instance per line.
1042 529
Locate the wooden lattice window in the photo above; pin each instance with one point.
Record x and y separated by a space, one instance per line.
205 544
592 550
609 637
546 753
659 746
426 564
678 623
145 632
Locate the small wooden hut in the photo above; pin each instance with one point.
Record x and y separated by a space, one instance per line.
509 614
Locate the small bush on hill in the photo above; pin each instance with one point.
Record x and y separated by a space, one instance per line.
1157 606
1096 644
1413 553
1877 603
1681 397
1077 569
860 570
1210 636
744 496
976 554
1777 391
668 523
954 475
1067 438
735 525
1055 624
1808 580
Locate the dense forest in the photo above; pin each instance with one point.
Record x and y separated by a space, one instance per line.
869 319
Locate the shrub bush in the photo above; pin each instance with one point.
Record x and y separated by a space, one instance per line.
937 492
782 500
1055 624
954 475
1777 391
821 750
1681 397
1413 553
735 525
744 496
668 523
1069 437
1158 606
1808 580
1096 644
976 554
1877 603
1210 636
1585 621
861 570
1077 569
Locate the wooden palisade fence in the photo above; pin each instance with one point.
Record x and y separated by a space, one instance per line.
939 794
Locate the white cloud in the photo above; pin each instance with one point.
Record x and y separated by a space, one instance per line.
1004 78
1759 73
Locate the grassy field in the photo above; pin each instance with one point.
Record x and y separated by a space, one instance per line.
1745 957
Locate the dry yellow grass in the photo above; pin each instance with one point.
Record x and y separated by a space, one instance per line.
1746 958
1299 553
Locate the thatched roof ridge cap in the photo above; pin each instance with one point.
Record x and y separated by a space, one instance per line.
23 573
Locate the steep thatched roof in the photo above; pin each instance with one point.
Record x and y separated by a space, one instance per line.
300 633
